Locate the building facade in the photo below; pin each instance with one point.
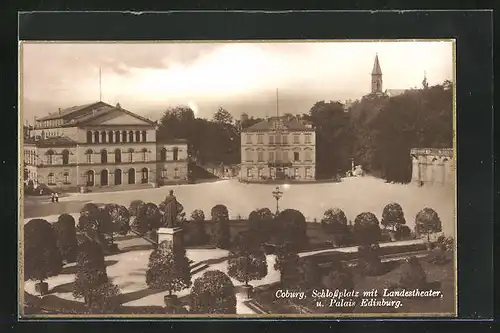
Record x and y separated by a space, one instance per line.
278 148
433 166
99 145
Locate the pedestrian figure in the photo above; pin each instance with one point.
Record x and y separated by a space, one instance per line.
52 197
57 197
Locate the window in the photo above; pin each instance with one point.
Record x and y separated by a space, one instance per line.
176 154
260 139
118 155
88 156
66 178
285 139
117 136
249 156
271 156
296 156
278 139
259 173
137 136
131 155
163 154
296 173
296 139
250 172
176 173
124 136
308 172
50 157
130 136
164 173
96 137
144 154
260 156
249 138
271 139
143 133
308 155
50 179
110 136
89 137
308 138
103 137
144 176
104 156
65 157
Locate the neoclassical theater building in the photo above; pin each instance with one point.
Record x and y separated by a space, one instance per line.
433 166
100 145
278 148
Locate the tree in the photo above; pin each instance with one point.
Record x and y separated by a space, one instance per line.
91 281
247 260
334 222
427 221
222 116
339 278
89 221
309 275
261 221
66 237
199 234
42 257
412 274
168 268
221 236
134 207
148 218
291 227
367 231
286 263
213 293
120 218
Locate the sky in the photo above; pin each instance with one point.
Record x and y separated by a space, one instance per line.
149 78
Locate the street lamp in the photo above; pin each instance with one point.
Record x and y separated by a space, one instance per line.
277 194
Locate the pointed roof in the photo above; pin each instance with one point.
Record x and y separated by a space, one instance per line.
376 67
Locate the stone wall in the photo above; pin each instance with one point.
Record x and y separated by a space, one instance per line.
433 166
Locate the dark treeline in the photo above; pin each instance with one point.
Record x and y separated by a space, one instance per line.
376 132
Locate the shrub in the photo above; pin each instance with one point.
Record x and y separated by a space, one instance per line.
213 293
262 221
168 268
427 221
392 216
134 207
91 281
440 254
334 222
367 229
403 232
369 259
66 237
198 234
148 217
309 275
120 218
89 221
286 263
339 278
291 227
412 274
42 257
221 236
247 260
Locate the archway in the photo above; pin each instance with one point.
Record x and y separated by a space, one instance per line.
104 177
118 177
131 176
90 178
144 176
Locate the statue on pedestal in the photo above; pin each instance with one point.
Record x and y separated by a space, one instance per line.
172 209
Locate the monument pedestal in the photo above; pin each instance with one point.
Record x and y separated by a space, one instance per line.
171 235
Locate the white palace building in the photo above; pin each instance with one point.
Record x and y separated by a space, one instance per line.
100 145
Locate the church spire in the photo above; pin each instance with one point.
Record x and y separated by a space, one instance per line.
376 77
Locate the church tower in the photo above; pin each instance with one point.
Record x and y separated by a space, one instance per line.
376 77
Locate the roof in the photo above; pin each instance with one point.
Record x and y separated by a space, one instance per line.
282 123
376 67
77 115
395 92
52 141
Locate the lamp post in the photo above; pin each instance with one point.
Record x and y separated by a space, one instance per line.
277 194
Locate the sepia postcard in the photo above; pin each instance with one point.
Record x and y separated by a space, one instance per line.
179 179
